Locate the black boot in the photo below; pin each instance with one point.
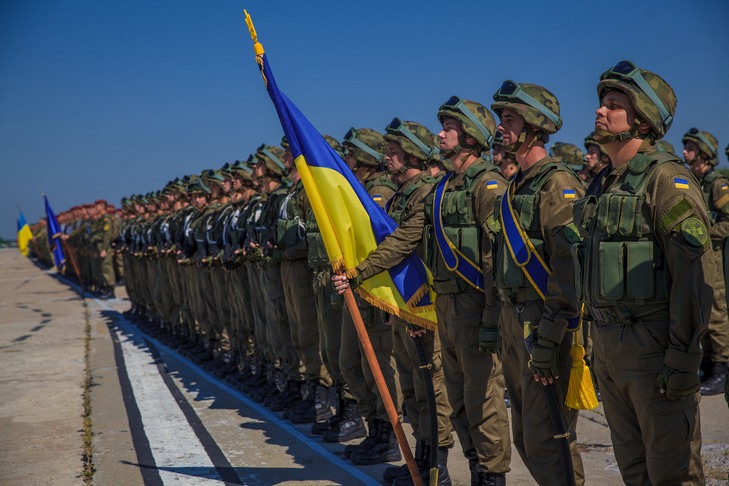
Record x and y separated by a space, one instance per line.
395 472
715 383
320 427
480 478
444 478
373 429
305 411
350 427
385 448
290 398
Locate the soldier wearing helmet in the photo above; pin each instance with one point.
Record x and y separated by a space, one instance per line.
647 282
539 200
301 301
364 153
458 235
700 153
282 360
596 157
410 148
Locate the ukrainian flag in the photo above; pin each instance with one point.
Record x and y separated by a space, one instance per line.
680 183
24 235
54 237
350 221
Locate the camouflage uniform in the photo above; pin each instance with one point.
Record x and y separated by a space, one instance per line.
649 224
715 187
542 197
463 215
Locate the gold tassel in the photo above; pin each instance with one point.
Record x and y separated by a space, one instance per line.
581 392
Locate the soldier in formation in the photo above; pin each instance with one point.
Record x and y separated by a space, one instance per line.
229 266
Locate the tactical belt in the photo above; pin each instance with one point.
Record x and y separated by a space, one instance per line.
453 258
621 314
524 254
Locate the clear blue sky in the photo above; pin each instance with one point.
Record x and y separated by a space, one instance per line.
103 99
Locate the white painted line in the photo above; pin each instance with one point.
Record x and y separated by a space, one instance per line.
178 453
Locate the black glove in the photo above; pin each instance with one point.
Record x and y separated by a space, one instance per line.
489 340
544 360
678 384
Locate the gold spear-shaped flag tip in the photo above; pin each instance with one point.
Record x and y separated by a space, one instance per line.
257 47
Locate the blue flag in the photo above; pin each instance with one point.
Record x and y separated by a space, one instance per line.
352 224
54 237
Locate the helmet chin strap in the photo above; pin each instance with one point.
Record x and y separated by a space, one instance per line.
514 148
603 136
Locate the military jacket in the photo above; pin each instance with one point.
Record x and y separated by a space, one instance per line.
380 188
645 252
407 208
291 224
715 186
263 228
542 198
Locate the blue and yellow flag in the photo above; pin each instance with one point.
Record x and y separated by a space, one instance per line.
351 223
54 237
24 234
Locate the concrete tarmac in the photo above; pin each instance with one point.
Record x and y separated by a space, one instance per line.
158 418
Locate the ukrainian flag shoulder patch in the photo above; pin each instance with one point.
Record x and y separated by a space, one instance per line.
568 194
680 183
724 187
377 197
492 185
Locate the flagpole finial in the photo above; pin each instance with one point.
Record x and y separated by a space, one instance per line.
257 46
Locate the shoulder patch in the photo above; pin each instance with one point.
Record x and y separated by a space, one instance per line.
377 197
679 210
492 184
694 231
568 194
680 183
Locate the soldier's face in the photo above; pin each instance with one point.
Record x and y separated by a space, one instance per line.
615 114
449 136
237 183
593 156
395 157
497 154
690 152
350 159
510 126
288 159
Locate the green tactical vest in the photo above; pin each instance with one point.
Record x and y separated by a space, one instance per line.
382 180
317 254
266 227
715 215
510 281
625 272
397 204
290 226
460 226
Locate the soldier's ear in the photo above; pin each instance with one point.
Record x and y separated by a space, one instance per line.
644 128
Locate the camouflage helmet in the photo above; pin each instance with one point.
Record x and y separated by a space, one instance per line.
240 169
664 146
708 144
537 105
590 140
652 97
272 158
570 154
476 120
334 144
413 138
367 146
211 176
197 185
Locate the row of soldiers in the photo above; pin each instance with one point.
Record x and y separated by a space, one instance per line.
89 236
232 259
